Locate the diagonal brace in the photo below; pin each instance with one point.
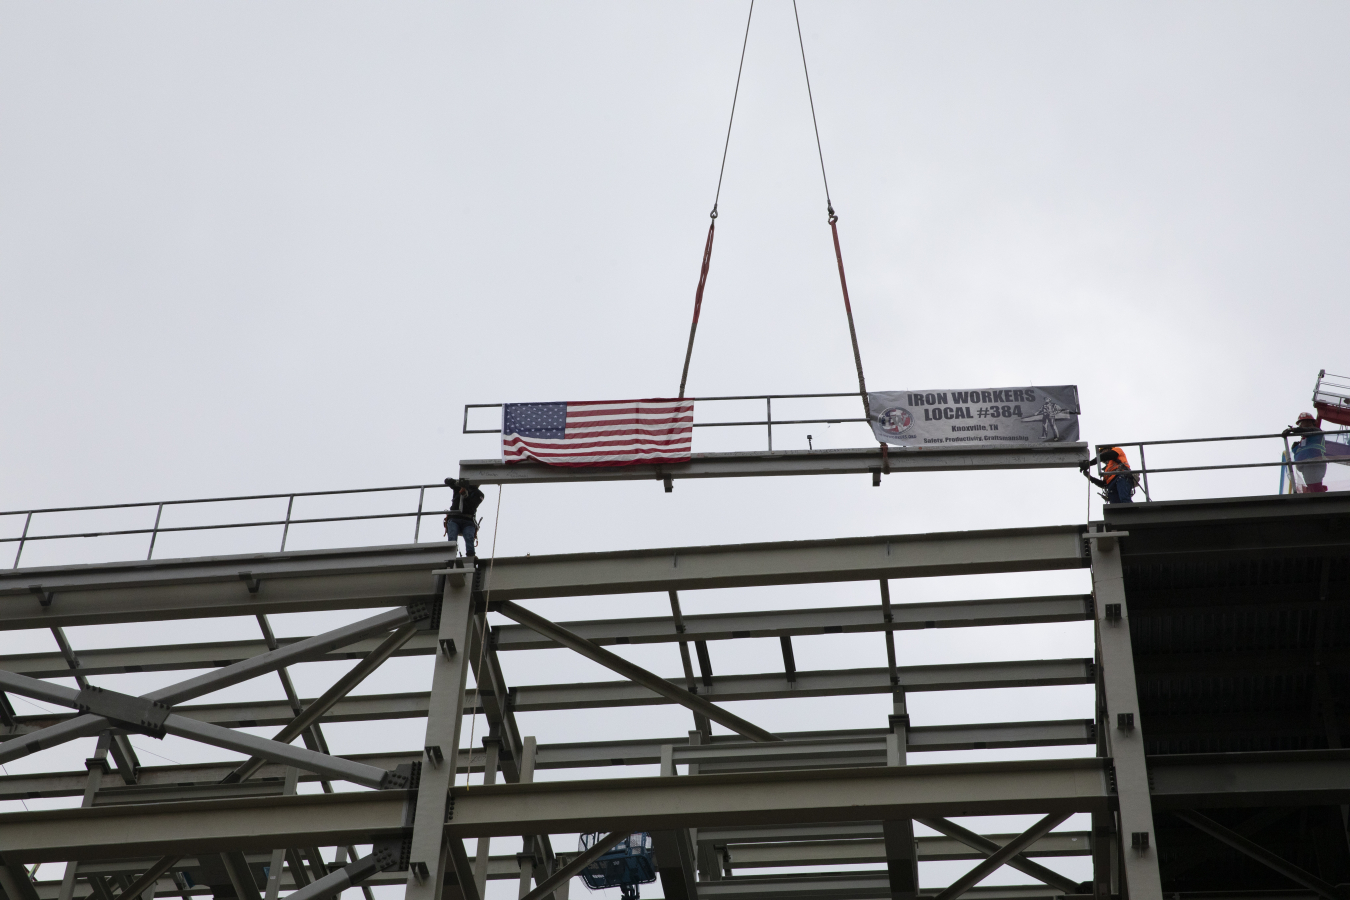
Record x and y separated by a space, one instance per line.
576 864
90 724
300 757
988 848
1001 857
315 711
616 663
1257 852
282 656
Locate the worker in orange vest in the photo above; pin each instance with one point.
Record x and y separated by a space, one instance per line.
1118 483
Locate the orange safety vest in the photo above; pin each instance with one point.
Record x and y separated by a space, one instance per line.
1114 466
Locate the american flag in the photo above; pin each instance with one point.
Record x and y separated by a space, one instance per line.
598 433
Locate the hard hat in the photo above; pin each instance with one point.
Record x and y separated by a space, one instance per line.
1306 417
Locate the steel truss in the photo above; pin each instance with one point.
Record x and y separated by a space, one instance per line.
723 807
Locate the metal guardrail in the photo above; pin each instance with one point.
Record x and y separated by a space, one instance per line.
768 421
289 520
1287 462
156 530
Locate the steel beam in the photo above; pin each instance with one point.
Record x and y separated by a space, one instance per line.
752 464
715 627
186 781
255 824
1273 779
357 578
847 886
399 575
863 851
761 798
676 864
788 562
766 686
793 622
174 657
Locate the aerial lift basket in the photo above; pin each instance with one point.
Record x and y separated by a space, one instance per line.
626 866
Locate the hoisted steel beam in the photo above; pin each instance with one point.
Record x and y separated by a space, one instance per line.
787 462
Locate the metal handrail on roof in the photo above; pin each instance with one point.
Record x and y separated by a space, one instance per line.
158 529
1287 462
768 421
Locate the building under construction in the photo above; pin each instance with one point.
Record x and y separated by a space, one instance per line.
1213 766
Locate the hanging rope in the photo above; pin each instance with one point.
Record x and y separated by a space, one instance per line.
712 226
484 636
834 229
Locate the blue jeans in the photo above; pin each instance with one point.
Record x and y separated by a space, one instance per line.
1120 489
456 527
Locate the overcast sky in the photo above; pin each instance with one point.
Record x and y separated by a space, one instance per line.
259 247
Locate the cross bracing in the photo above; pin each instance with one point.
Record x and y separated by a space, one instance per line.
731 817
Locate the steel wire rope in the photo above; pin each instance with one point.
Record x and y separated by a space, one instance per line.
483 640
712 225
834 230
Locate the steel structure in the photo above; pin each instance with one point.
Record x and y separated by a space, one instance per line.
1213 765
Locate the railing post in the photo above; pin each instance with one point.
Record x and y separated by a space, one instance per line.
768 406
286 529
421 495
154 532
22 538
1144 465
1289 460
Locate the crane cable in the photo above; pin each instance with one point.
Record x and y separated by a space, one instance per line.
833 219
829 209
712 225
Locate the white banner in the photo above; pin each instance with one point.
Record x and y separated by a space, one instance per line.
989 417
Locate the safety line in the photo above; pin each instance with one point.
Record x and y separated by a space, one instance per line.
483 642
712 225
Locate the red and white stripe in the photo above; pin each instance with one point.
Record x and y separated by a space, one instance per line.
613 433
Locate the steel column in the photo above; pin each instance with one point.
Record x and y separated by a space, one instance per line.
429 855
1124 731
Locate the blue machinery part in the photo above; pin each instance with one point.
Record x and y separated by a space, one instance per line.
626 866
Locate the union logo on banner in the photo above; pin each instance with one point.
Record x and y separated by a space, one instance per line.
895 420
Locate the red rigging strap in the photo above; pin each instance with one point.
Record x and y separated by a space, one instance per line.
698 301
712 226
848 311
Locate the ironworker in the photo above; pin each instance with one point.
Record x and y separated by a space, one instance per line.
460 517
1311 447
1119 482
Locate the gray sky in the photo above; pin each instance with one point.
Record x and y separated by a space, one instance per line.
256 247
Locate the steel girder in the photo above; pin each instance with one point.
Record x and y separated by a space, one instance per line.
762 798
787 462
189 781
204 826
788 562
397 576
872 850
716 627
607 694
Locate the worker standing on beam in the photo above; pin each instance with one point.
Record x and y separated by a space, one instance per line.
460 518
1118 483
